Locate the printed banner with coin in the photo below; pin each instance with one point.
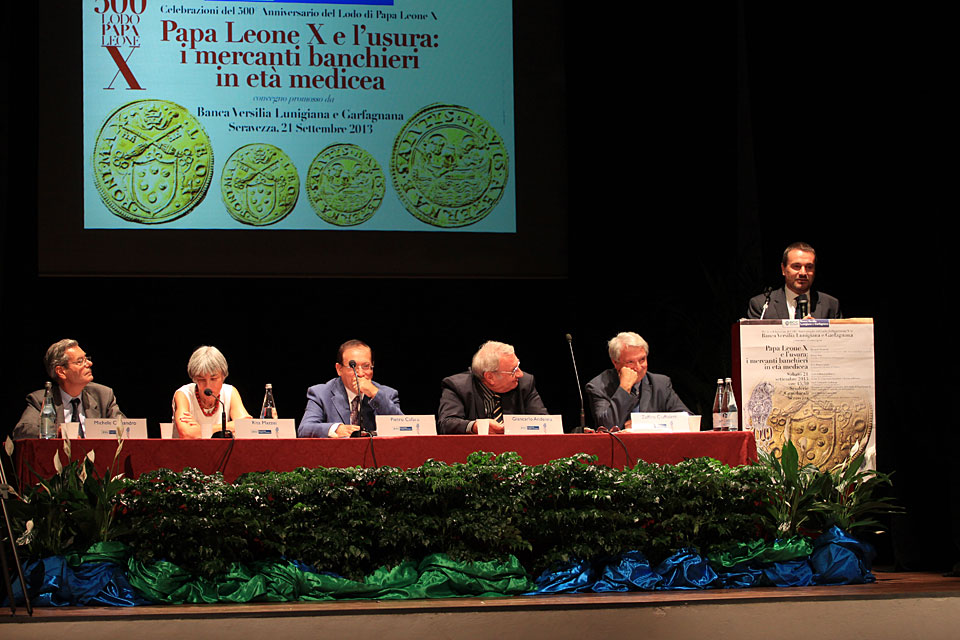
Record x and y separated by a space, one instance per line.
812 382
386 115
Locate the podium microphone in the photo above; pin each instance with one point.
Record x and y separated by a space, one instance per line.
576 374
803 306
223 433
766 300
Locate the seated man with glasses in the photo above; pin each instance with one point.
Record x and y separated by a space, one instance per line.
629 387
493 386
76 397
351 401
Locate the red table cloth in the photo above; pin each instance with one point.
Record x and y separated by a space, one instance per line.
235 457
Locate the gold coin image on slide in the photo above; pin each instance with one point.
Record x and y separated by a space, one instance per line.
259 184
152 162
827 431
345 185
449 166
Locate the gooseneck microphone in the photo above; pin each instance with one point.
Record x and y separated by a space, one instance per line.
576 374
359 433
766 300
223 433
803 306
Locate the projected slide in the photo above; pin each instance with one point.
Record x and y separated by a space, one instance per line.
229 114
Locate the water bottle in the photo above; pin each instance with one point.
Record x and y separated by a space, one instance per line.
48 414
269 409
718 406
732 421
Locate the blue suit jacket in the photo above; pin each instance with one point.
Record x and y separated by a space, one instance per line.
327 405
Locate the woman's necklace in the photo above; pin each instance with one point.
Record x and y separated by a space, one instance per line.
207 412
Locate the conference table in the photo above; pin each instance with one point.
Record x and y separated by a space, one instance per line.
236 457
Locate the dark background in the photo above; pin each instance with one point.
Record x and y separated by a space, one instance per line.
835 122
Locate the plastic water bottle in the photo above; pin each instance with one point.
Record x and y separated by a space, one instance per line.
48 414
269 409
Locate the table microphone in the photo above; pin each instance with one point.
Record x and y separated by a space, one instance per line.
223 433
576 374
802 306
359 433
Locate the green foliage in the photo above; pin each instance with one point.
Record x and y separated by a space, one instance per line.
72 510
848 497
803 499
353 521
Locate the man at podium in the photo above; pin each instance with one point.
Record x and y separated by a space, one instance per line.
798 266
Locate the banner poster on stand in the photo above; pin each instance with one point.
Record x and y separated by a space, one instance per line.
810 381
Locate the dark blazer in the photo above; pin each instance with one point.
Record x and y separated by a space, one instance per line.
461 401
98 402
327 405
822 305
612 405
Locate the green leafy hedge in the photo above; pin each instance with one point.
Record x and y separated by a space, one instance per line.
352 521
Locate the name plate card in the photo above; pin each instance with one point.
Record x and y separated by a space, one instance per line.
671 422
130 428
392 425
522 425
264 428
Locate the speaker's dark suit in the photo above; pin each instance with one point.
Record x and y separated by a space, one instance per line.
821 306
612 405
461 401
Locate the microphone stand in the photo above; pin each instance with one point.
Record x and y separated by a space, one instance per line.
766 302
359 433
223 433
583 412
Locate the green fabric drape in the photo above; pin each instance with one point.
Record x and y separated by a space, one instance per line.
436 576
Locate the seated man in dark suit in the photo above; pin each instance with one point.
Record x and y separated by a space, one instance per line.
493 386
76 397
798 268
349 402
629 387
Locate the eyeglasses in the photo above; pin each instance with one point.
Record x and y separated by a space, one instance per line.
513 373
80 361
366 366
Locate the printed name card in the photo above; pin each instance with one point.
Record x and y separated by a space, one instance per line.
131 428
521 425
673 422
264 428
406 425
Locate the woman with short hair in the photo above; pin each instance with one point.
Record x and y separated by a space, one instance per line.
198 404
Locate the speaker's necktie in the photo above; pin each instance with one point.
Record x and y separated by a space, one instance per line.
75 417
355 411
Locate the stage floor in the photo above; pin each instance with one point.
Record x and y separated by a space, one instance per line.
899 605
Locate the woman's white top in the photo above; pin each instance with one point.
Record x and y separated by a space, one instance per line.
189 390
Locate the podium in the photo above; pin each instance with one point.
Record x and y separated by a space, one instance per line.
809 381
